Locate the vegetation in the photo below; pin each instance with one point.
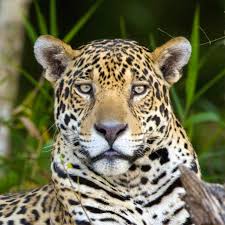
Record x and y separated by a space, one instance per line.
32 126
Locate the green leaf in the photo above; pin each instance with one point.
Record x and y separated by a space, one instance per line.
82 21
29 28
53 18
123 27
8 181
41 20
201 118
206 105
69 166
177 103
209 84
206 56
152 42
30 78
192 73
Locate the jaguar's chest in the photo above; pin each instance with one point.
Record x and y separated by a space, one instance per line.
166 208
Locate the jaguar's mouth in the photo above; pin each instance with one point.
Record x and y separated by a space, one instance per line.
110 155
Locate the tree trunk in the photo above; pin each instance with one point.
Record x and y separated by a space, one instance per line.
206 202
11 46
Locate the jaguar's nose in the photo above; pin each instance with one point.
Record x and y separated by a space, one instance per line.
110 131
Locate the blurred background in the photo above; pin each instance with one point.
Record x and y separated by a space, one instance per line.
27 128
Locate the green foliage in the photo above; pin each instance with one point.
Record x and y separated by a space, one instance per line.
30 29
123 27
209 84
32 125
41 20
192 72
82 21
201 118
53 18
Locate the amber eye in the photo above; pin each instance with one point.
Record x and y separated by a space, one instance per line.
84 88
139 89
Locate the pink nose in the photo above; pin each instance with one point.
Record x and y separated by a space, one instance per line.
110 132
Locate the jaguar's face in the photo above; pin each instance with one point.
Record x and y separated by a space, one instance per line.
113 106
112 102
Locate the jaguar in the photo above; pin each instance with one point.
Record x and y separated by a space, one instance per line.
117 153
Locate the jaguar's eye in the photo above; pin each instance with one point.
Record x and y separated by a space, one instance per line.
84 88
139 89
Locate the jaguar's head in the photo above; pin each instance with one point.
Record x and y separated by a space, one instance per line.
112 97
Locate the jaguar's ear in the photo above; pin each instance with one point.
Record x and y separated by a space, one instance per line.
172 57
53 55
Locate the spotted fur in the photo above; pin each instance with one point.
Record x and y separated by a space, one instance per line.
116 157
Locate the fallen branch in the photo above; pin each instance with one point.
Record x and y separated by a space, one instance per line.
206 202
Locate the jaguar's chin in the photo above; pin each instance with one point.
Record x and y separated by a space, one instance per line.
113 162
111 166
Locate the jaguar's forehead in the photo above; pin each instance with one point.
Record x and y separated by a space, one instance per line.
112 59
113 44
